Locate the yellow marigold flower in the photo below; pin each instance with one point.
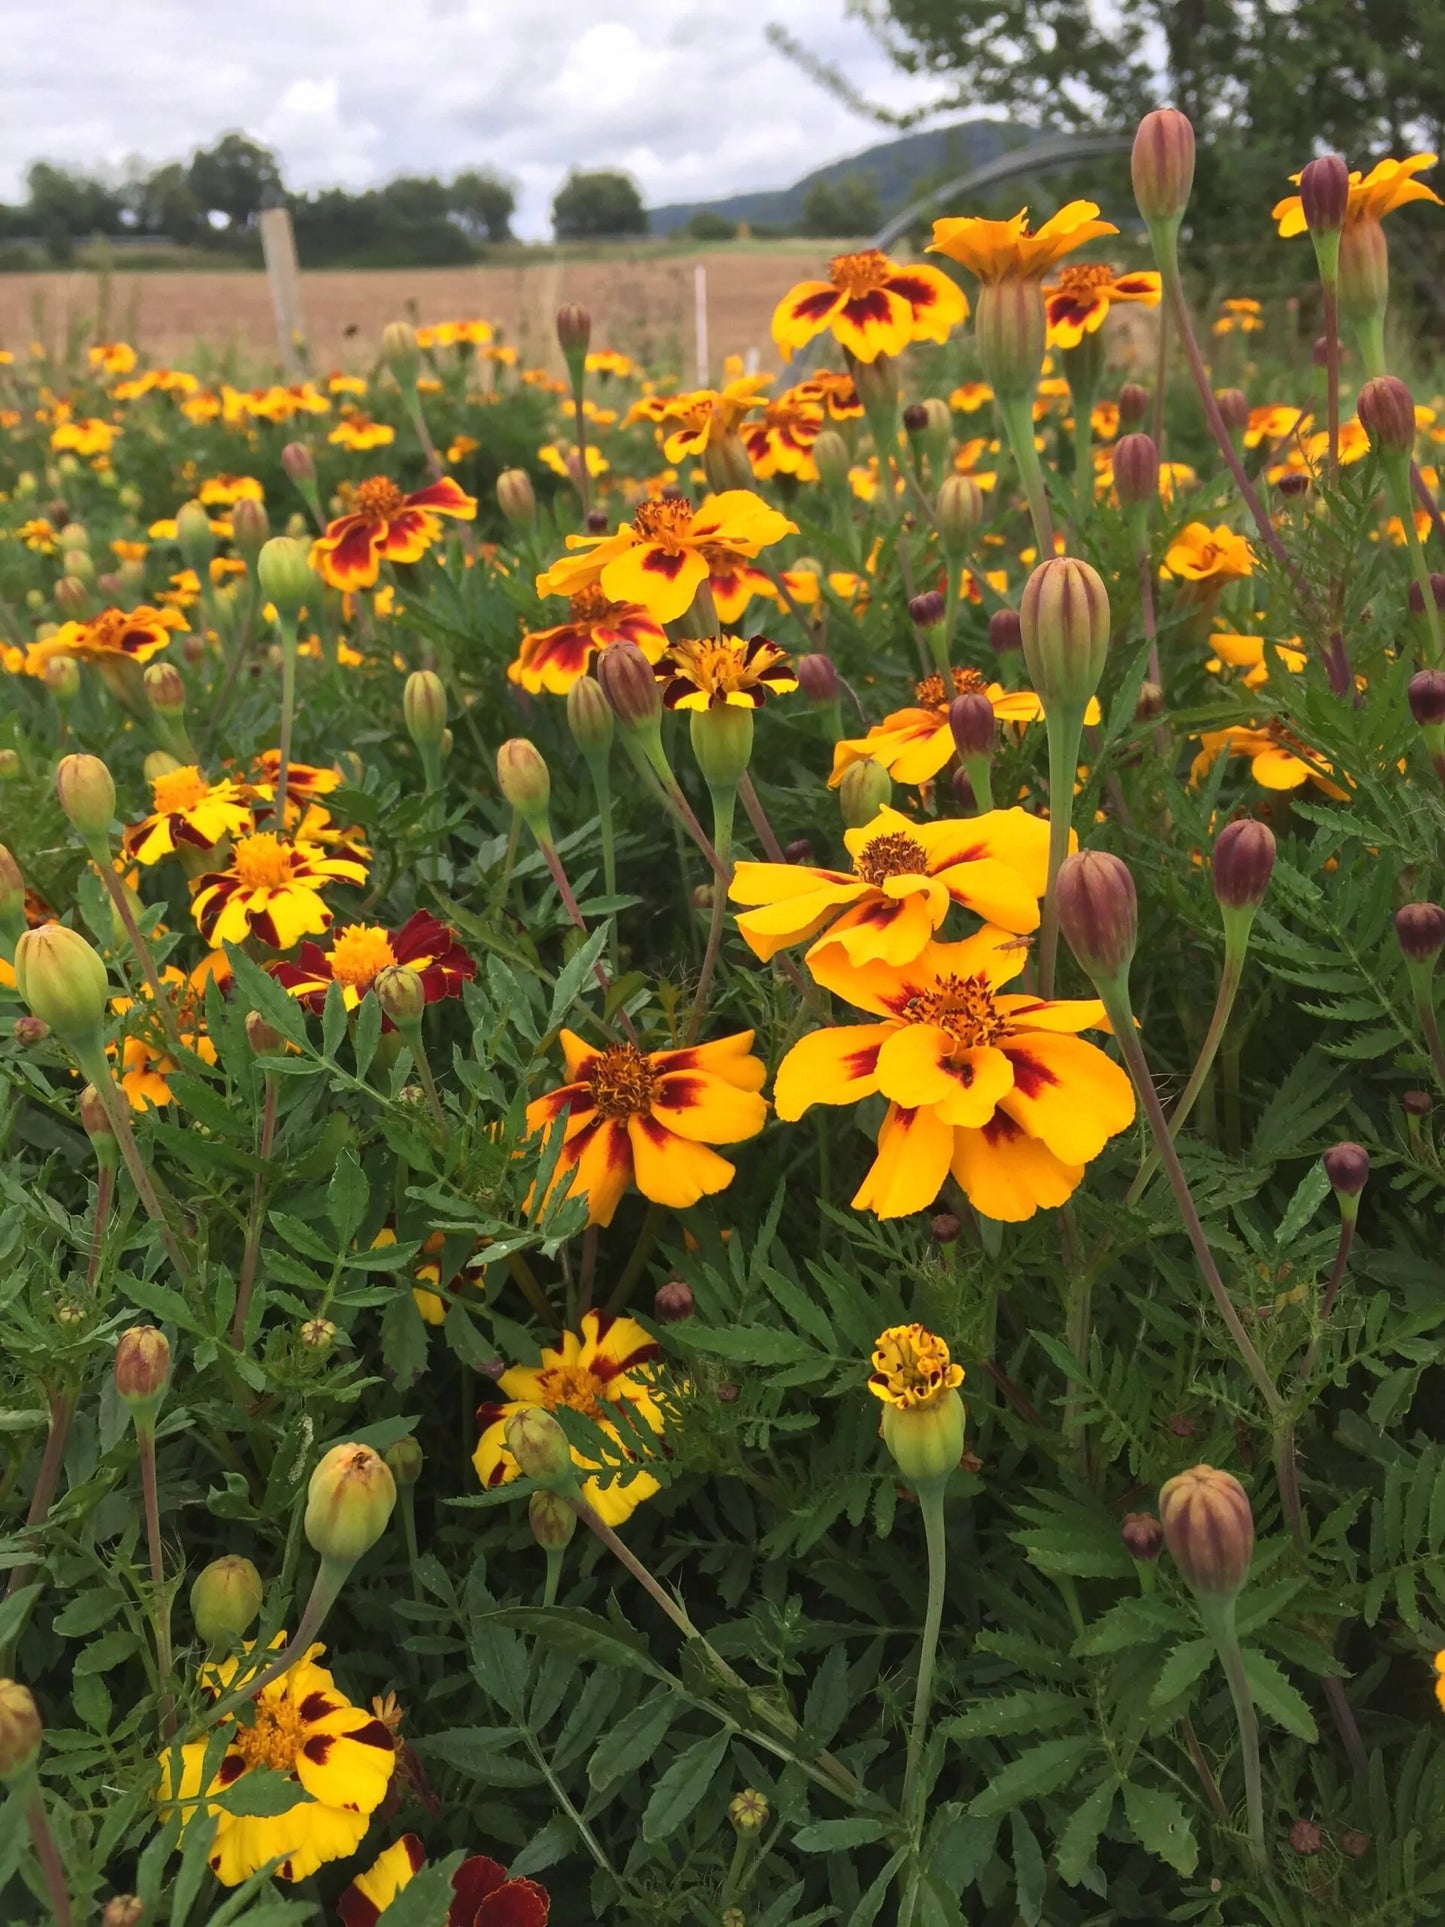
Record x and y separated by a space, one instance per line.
554 659
38 536
1388 185
124 551
460 446
1002 250
608 1367
1201 554
970 396
905 878
85 436
912 1368
1239 314
1078 303
914 744
305 781
709 414
993 1088
383 525
340 1756
346 385
561 458
112 357
187 810
360 952
607 361
780 441
836 392
357 431
648 1119
165 529
1278 760
455 334
1249 653
724 672
271 891
226 490
871 306
659 558
145 1059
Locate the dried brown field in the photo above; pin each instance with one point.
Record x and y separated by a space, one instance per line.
641 302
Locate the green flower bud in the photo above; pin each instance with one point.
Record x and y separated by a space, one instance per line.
63 982
539 1445
20 1730
1162 165
285 575
405 1460
348 1503
523 778
1010 327
87 795
516 498
866 788
401 993
722 742
400 352
590 718
1065 620
832 460
250 527
552 1520
424 707
959 511
193 534
62 679
748 1811
226 1599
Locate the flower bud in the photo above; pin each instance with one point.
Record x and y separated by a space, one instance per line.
590 718
1010 329
1324 191
673 1302
1149 705
1098 912
73 536
574 329
817 678
598 521
1364 272
404 1460
72 598
300 466
926 1441
63 982
1387 414
400 352
194 538
552 1520
165 691
29 1032
1005 631
1233 406
263 1039
62 678
915 419
831 459
523 777
866 788
1294 486
722 743
1065 621
726 463
1162 165
1416 1103
1347 1166
95 1121
1243 864
1136 471
1143 1536
318 1334
285 575
348 1503
958 512
1416 595
1133 406
539 1445
401 993
1420 928
20 1730
424 707
1209 1530
142 1370
87 794
798 850
629 685
225 1599
1305 1837
12 894
249 528
516 497
926 611
973 723
123 1910
748 1812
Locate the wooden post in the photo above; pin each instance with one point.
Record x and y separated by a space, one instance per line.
699 302
278 247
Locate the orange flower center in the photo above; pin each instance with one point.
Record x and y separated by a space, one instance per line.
359 954
894 855
377 499
931 693
856 274
179 790
714 666
962 1006
262 862
573 1386
622 1082
1084 276
274 1740
666 521
589 604
1286 738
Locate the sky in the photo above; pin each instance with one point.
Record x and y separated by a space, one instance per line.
686 95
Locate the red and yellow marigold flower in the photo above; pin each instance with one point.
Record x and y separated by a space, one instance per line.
912 1368
270 890
112 357
304 781
340 1758
1006 250
358 432
1250 654
871 306
835 392
780 441
709 415
1278 760
1201 554
648 1119
995 1088
1078 303
187 810
134 635
563 459
455 334
360 952
85 435
660 557
914 744
905 878
146 1064
224 491
609 1368
482 1895
724 672
553 659
1239 314
1388 185
383 525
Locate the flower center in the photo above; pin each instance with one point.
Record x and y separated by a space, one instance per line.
894 855
589 604
274 1740
665 521
962 1006
1083 276
378 499
713 666
262 862
931 693
359 954
911 1367
179 790
622 1082
573 1386
859 273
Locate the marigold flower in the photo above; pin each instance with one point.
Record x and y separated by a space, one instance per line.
87 435
648 1119
724 671
555 658
482 1895
304 781
912 1368
1079 301
608 1366
135 634
708 414
905 878
660 558
360 952
1278 759
146 1064
1250 654
341 1758
837 393
871 306
357 431
1388 185
187 809
1201 554
970 396
383 525
38 536
1238 314
780 441
914 744
112 357
562 458
455 334
1000 250
991 1087
270 891
226 490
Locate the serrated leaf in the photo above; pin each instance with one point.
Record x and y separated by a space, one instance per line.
578 970
684 1784
1078 1844
1043 1769
1022 1712
831 1836
1161 1827
580 1633
1189 1661
752 1345
347 1197
633 1740
403 1339
425 1898
1275 1697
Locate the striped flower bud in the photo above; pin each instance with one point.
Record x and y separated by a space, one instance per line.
63 982
523 777
1243 864
1324 191
1387 414
284 572
86 791
516 497
348 1503
1064 616
1162 164
590 718
1098 912
226 1599
865 789
424 707
1209 1530
629 685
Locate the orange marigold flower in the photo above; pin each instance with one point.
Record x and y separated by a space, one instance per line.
708 415
270 890
970 396
1201 554
914 744
780 441
383 525
135 634
360 952
1278 760
145 1059
1079 301
1003 250
1239 314
554 659
871 306
112 357
1388 185
87 435
357 431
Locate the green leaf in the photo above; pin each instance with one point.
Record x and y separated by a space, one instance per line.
1161 1827
483 1754
577 971
403 1339
684 1784
1274 1695
333 1019
1043 1769
259 1795
1189 1661
633 1740
1022 1712
425 1898
16 1610
347 1197
256 990
580 1633
829 1836
1078 1844
826 1706
754 1345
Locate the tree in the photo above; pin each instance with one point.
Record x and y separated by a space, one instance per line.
847 207
482 205
237 177
705 225
65 207
414 199
589 205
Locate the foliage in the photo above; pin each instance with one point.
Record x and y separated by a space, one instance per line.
850 206
597 204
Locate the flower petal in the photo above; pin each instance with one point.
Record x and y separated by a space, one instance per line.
921 1065
836 1066
707 1109
914 1148
673 1170
1006 1174
1067 1092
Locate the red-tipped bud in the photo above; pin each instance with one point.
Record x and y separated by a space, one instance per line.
142 1368
165 690
1324 190
1209 1529
1427 698
516 497
1416 594
299 464
1347 1166
958 512
523 777
1098 912
1243 864
1064 615
72 597
12 888
589 717
597 522
799 850
1143 1536
817 678
926 611
1293 486
1233 406
1005 631
574 329
1162 164
673 1302
29 1031
965 797
225 1599
973 723
401 993
1416 1103
87 794
1136 471
1420 928
1387 414
915 418
95 1121
1133 406
348 1503
629 685
865 789
944 1228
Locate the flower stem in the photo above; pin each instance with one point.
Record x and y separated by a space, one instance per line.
325 1590
758 817
287 626
1066 727
160 1604
1218 1617
1397 475
104 1196
1425 1010
930 1504
256 1219
416 1045
62 1411
51 1870
1234 953
117 1109
1018 422
724 801
1330 291
116 890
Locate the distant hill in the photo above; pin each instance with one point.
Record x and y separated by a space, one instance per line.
898 166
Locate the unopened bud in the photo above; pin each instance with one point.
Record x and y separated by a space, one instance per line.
1243 864
597 521
29 1031
123 1910
1098 912
1387 414
1416 1103
798 850
552 1520
1143 1536
62 678
1136 471
590 718
142 1369
1305 1837
1324 191
866 788
915 419
1162 165
404 1460
832 460
348 1503
1010 329
424 707
817 678
1133 406
20 1730
574 330
1420 928
926 611
973 723
629 684
1347 1166
944 1228
285 575
1065 620
225 1599
250 527
1149 704
95 1121
401 993
673 1302
299 464
1364 272
72 597
1209 1530
1416 595
318 1334
400 352
264 1040
748 1811
1233 406
194 538
1005 631
12 890
516 497
523 778
63 982
726 463
539 1445
165 691
965 796
1294 485
87 794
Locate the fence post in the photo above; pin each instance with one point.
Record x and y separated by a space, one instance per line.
699 303
278 248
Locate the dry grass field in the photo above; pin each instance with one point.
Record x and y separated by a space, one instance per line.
641 302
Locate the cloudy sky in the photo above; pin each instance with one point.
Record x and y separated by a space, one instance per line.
685 94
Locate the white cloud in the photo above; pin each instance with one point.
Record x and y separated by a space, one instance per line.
685 94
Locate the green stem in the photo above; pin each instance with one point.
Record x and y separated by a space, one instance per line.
256 1220
287 626
930 1504
1235 948
1065 727
325 1591
1397 475
51 1870
99 849
1018 422
724 802
1425 1011
93 1064
600 770
1218 1617
160 1602
417 1047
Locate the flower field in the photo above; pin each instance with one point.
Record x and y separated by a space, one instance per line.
723 1201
